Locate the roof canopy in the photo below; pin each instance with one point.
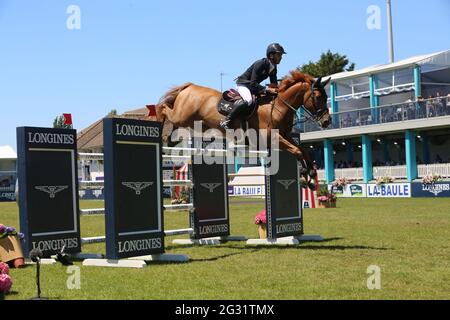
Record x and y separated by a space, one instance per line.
428 62
7 153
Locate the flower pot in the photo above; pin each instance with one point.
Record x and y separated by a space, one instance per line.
11 250
19 263
262 232
323 205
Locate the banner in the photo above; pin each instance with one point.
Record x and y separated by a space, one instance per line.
246 191
389 190
91 194
351 190
48 190
434 190
133 188
7 196
7 187
283 199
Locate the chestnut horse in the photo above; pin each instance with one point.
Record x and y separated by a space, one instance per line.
187 103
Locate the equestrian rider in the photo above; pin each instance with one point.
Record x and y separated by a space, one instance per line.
248 84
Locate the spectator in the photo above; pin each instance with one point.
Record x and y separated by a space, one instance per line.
438 159
421 103
430 107
348 121
448 104
439 104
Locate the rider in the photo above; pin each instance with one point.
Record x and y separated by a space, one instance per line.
248 84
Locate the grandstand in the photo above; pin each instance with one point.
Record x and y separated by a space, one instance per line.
388 120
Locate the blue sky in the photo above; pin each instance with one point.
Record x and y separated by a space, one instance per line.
128 53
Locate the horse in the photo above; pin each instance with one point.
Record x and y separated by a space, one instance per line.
187 103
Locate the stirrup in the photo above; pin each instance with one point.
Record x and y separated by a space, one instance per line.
224 124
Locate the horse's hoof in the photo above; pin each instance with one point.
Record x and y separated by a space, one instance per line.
303 183
311 185
303 171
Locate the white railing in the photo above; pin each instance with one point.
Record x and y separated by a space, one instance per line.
321 175
397 172
349 173
441 169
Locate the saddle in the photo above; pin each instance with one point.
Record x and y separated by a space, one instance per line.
226 103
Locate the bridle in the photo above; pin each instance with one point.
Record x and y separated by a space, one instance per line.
319 114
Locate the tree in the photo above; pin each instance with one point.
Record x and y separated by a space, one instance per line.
328 64
59 122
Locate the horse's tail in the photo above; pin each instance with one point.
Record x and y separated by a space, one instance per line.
168 101
169 98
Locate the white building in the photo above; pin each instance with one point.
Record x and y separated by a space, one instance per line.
8 173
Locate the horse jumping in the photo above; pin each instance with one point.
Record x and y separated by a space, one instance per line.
185 104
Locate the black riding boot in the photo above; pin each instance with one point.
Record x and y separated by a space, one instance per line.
239 107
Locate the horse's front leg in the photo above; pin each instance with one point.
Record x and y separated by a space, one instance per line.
307 161
306 165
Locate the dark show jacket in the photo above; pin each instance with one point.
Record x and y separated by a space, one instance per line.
256 73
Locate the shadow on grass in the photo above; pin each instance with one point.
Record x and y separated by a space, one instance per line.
220 257
319 247
328 239
193 260
9 294
308 246
304 245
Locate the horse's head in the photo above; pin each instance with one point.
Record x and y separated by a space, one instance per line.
299 90
316 102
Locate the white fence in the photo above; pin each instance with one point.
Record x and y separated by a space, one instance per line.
397 172
357 173
441 169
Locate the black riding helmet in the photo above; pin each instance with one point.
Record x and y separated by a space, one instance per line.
275 48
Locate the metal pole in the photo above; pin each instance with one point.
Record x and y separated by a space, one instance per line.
221 81
390 34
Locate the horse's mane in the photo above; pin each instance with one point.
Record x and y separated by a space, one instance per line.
294 77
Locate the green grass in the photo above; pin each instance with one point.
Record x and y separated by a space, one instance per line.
409 239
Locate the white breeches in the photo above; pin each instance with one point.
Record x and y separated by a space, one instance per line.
245 93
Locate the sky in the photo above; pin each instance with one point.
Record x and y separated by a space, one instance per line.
125 54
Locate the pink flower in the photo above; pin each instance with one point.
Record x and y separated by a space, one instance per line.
4 269
261 217
5 283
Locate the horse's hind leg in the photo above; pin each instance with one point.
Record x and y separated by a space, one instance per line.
167 125
173 115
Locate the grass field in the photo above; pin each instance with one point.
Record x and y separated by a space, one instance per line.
409 239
